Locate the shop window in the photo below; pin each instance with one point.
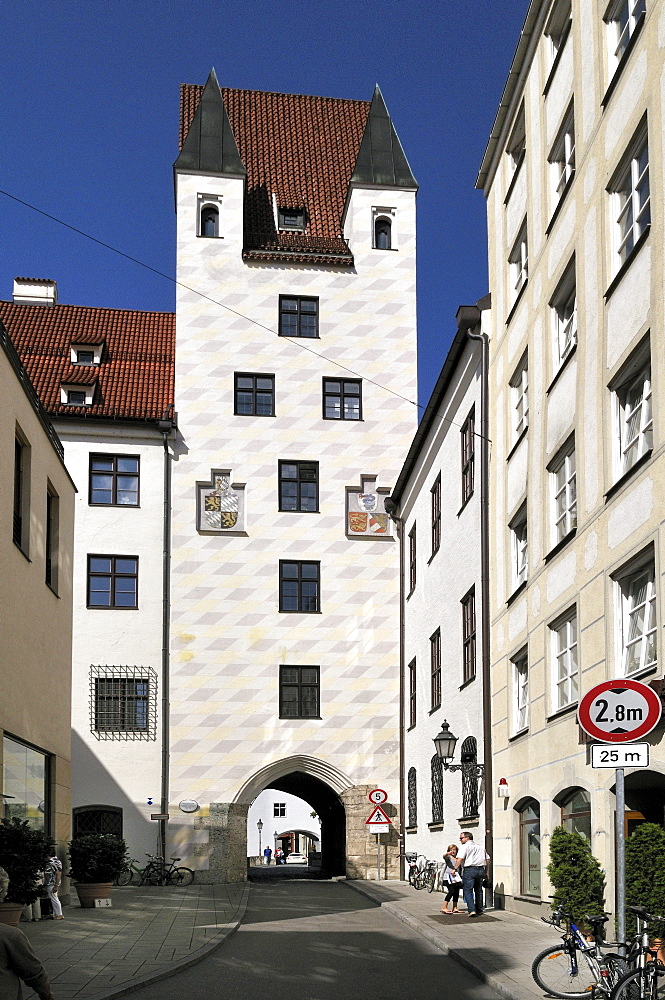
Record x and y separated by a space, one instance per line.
530 860
576 813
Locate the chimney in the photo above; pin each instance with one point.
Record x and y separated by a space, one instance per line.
35 292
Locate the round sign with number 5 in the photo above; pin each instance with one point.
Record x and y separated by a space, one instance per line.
378 796
619 711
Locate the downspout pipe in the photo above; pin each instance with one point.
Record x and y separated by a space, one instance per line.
167 425
391 508
469 317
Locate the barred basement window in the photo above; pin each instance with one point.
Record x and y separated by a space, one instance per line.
412 798
97 819
469 756
123 703
437 789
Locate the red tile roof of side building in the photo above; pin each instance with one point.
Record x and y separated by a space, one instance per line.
300 149
135 380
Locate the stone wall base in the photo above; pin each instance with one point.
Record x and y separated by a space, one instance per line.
361 846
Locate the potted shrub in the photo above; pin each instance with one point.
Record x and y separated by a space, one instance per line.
576 876
23 852
645 876
95 861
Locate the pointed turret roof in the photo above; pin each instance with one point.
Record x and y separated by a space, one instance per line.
381 160
210 145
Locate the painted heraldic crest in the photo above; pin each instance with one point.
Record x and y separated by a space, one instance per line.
220 505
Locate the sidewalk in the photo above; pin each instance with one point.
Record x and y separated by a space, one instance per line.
498 947
147 934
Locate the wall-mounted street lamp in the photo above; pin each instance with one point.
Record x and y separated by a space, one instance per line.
445 744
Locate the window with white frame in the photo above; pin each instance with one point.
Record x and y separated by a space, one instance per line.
557 28
519 390
564 313
623 18
520 560
634 417
562 156
520 665
519 263
637 617
629 191
208 212
516 146
564 660
564 492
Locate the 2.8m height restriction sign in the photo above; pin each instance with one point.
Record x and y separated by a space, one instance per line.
619 711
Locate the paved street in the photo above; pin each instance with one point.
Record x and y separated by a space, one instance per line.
304 940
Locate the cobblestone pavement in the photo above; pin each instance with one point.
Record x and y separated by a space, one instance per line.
315 940
145 935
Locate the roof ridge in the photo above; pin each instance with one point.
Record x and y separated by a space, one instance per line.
73 305
282 93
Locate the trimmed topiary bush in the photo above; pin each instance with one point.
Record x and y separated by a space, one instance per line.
23 852
97 857
645 873
577 878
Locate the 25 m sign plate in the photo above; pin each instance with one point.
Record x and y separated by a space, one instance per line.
619 711
622 755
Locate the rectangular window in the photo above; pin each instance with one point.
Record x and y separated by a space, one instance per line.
520 559
468 441
519 263
26 781
123 703
52 537
76 397
435 669
638 630
631 200
299 693
299 486
279 809
564 313
519 390
623 18
19 491
298 316
564 656
633 399
562 157
558 27
114 481
564 493
292 219
516 146
521 691
412 694
113 581
85 358
412 560
254 395
436 514
342 399
469 636
299 584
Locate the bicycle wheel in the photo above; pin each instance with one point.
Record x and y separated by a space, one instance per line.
551 971
616 968
181 877
412 876
641 984
432 880
125 877
151 876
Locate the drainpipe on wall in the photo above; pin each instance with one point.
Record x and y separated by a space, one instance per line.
391 508
469 317
167 425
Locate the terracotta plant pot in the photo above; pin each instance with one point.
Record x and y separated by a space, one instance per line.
658 945
88 892
10 913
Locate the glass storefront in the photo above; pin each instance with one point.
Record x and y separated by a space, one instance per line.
25 783
530 848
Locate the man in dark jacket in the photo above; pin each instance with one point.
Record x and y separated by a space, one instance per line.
19 962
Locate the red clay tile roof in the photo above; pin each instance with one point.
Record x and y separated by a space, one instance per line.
300 149
135 380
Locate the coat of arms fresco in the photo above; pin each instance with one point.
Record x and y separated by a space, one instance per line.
365 513
220 504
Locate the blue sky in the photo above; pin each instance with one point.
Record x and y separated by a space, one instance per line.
89 98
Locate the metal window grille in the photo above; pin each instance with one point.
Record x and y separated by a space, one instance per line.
123 703
97 819
437 789
468 455
469 757
412 797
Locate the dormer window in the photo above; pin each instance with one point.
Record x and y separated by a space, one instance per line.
76 397
382 234
85 357
292 219
209 216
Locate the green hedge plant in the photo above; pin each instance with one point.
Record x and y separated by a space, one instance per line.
645 873
577 878
97 857
23 852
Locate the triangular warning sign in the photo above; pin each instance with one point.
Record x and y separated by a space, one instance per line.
378 816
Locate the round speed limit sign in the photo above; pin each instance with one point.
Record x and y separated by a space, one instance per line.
619 711
377 795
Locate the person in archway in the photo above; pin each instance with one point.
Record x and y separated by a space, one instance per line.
474 858
267 854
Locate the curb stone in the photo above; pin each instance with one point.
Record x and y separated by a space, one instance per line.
497 981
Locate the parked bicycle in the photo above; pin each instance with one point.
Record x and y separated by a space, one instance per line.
578 968
156 872
645 980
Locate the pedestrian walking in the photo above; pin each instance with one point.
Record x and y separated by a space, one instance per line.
52 880
474 858
452 880
279 856
267 854
19 962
